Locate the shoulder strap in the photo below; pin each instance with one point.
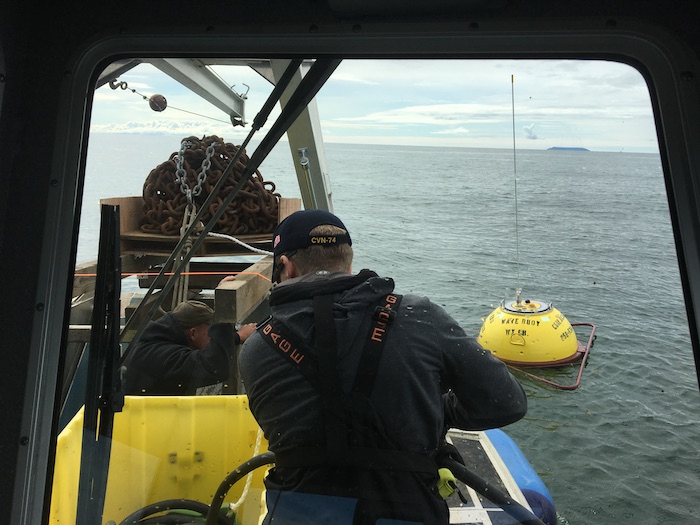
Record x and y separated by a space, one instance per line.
321 371
329 379
282 339
382 317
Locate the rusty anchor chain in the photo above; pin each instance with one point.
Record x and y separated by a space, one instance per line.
192 173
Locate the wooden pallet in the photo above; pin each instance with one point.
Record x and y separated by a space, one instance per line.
135 241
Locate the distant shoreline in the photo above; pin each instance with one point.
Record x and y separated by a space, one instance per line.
175 139
559 148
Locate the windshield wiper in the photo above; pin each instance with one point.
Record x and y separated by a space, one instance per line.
103 395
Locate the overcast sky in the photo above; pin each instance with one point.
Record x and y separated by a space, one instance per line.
601 106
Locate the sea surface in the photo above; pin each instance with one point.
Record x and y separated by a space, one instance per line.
589 232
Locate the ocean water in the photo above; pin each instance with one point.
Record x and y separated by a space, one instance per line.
591 234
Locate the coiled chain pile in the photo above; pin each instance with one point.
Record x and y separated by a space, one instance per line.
254 210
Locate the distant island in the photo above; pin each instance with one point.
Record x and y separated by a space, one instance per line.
557 148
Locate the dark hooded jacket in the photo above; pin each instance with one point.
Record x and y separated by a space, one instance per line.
431 377
162 363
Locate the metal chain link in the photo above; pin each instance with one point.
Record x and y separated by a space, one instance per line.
181 173
166 193
206 164
182 284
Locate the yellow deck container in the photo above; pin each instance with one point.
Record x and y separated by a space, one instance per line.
165 448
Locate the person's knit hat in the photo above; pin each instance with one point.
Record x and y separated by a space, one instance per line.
293 233
193 313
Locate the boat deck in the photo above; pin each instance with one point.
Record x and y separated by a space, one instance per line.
480 456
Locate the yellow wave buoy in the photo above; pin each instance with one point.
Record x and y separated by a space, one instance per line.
529 333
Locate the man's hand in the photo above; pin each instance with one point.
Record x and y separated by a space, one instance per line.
245 331
226 279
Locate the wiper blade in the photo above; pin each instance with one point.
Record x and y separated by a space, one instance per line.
103 389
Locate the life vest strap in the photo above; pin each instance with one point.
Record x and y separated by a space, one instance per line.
320 369
383 316
329 379
357 457
283 340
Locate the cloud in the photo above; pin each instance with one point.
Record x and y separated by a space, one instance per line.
529 132
172 127
349 77
340 124
436 115
588 103
455 131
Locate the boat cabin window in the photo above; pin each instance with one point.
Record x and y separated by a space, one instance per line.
490 186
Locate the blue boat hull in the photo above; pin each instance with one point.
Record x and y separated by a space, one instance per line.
524 475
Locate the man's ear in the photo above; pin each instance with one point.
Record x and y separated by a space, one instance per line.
290 267
190 333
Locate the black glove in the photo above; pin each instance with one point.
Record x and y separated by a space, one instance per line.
447 451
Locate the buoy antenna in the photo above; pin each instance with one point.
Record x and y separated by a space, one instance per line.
515 185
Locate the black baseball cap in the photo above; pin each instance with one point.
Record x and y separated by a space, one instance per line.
293 233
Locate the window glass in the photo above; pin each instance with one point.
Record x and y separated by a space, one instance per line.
475 183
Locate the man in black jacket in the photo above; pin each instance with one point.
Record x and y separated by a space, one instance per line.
355 386
182 353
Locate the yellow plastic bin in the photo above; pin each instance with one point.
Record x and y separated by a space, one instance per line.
165 448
